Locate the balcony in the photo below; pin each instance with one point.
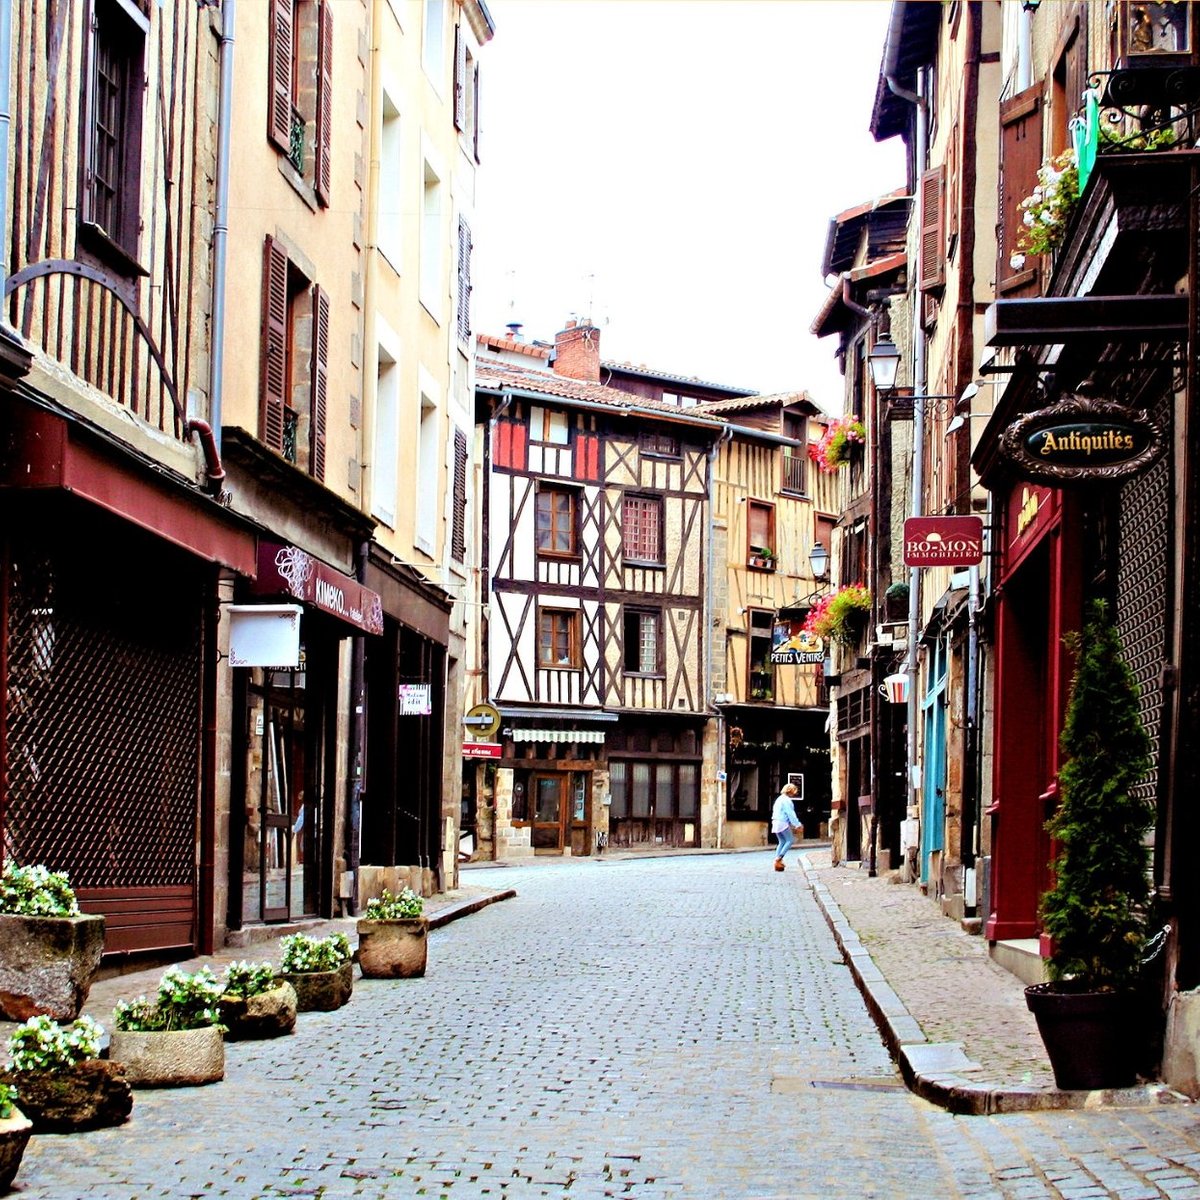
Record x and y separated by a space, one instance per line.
795 474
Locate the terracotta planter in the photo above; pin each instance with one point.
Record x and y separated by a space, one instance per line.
1089 1036
14 1136
269 1014
47 964
170 1058
322 991
92 1095
396 949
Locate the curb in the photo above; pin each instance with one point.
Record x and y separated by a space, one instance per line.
931 1070
464 908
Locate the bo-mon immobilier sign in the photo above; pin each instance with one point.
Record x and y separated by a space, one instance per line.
943 541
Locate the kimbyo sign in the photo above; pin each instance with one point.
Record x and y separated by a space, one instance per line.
943 541
1082 440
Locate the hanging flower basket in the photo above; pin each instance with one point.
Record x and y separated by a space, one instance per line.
1046 213
840 616
838 444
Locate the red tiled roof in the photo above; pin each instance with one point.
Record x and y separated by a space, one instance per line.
749 403
498 342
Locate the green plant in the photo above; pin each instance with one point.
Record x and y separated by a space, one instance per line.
36 892
183 1001
8 1098
1112 139
1096 912
837 616
1046 213
303 954
392 908
243 979
42 1044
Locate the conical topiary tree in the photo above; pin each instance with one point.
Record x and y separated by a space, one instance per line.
1096 913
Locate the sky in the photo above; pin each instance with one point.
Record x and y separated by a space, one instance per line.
669 168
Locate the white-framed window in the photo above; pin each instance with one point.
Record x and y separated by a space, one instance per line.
385 454
432 256
389 220
429 446
549 426
434 42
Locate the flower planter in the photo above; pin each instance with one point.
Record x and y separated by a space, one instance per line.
1090 1037
322 991
395 949
268 1014
14 1136
91 1095
47 964
170 1058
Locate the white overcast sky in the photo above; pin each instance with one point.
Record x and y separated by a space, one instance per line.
669 167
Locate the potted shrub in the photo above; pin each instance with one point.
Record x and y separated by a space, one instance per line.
256 1004
319 969
1096 914
393 937
176 1039
49 951
62 1083
15 1128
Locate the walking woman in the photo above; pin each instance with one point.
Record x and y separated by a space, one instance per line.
784 822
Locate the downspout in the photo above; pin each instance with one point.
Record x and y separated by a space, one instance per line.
212 453
366 451
1025 49
709 600
220 244
6 12
358 741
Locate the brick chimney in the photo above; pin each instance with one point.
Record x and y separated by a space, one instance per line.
577 351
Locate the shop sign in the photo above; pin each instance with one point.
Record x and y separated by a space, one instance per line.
481 750
414 700
793 645
1082 440
482 720
296 573
943 541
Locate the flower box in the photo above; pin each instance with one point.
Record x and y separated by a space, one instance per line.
393 949
93 1094
170 1057
322 991
264 1015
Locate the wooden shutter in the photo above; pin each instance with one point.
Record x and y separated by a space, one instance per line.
320 383
933 229
464 281
323 171
274 344
475 112
1020 157
279 73
460 79
458 519
953 184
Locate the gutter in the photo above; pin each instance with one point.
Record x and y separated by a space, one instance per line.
6 16
891 54
216 369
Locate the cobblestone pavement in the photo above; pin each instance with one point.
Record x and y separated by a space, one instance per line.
660 1028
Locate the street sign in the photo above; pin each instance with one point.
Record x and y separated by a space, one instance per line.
482 720
482 750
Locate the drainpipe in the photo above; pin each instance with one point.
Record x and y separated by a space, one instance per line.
725 435
1025 49
221 234
212 453
366 452
358 741
5 120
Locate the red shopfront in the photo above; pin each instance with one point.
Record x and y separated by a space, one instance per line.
1039 600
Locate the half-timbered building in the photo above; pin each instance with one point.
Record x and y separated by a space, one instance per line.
597 586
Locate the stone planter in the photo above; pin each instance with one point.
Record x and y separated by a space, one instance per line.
14 1136
322 991
91 1095
170 1058
47 964
269 1014
396 949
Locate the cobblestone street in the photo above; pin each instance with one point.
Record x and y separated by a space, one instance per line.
670 1027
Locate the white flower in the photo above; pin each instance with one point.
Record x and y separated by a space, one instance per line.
1028 219
1016 261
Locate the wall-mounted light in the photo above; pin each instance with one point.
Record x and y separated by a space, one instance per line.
884 362
818 558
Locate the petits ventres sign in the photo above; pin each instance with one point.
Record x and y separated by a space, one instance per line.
943 541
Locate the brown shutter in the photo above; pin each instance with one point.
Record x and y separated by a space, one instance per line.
458 520
87 191
475 111
279 71
464 281
953 184
933 230
323 170
320 382
274 344
460 79
1020 157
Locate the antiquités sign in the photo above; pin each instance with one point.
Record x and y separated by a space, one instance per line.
943 541
1082 440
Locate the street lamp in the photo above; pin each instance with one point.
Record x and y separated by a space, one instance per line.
818 559
884 363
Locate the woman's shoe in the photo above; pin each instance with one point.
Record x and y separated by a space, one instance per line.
779 864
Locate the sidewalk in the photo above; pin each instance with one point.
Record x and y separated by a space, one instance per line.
956 1022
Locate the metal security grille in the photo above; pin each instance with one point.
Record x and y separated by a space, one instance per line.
103 710
1143 583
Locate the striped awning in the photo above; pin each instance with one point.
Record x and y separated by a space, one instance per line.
558 735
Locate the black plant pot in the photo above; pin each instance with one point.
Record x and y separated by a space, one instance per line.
1089 1036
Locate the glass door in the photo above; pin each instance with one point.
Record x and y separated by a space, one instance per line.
550 811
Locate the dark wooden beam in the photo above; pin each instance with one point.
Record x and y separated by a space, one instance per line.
1052 320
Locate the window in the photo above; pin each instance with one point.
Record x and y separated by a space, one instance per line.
660 445
431 283
295 363
463 314
761 642
112 133
642 642
760 532
385 454
1020 157
641 527
933 228
466 92
795 458
390 214
548 426
434 40
458 518
428 474
558 637
662 789
555 520
300 71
